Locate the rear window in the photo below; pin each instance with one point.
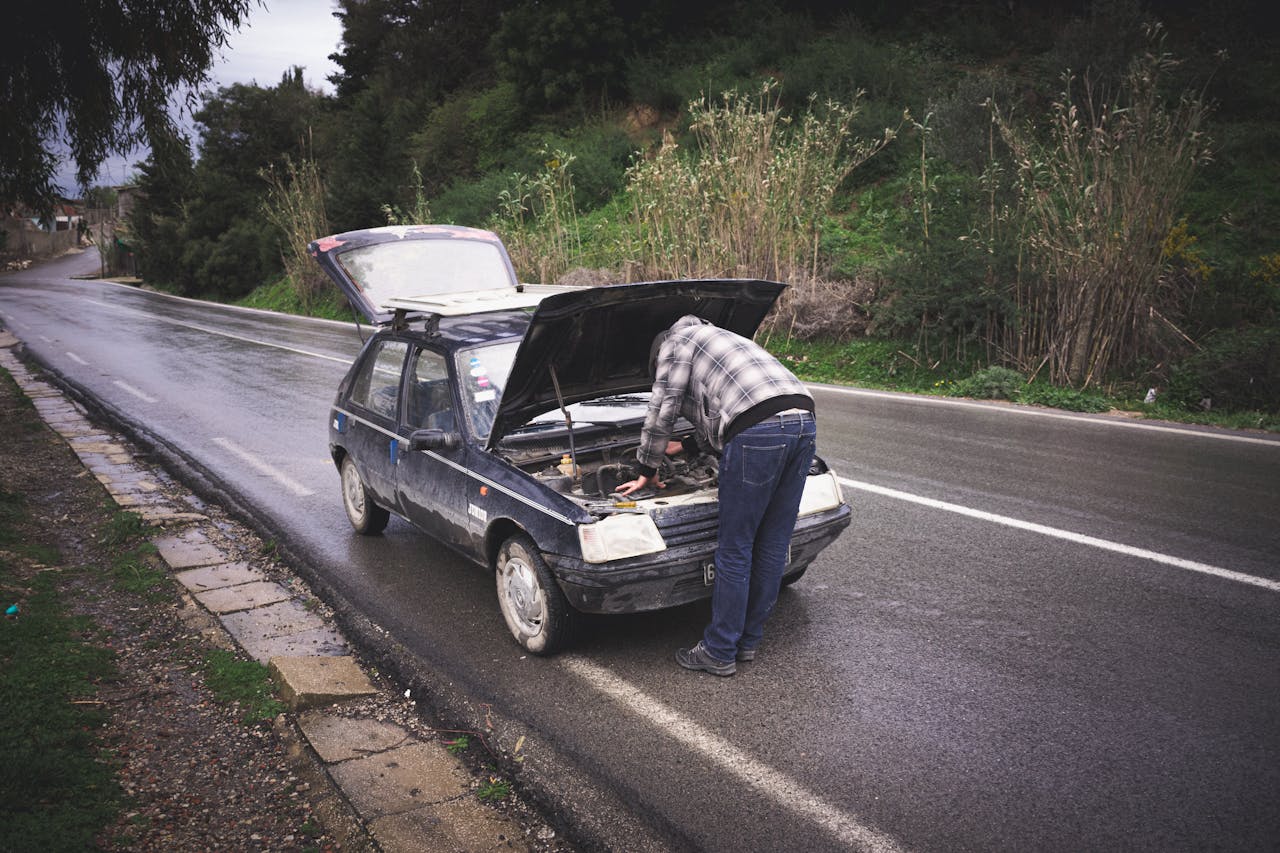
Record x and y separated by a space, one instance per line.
423 268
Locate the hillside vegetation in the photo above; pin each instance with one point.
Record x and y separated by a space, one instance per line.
1084 197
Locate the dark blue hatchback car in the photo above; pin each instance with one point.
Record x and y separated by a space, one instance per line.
500 418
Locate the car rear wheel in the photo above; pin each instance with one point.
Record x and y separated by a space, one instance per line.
535 610
366 517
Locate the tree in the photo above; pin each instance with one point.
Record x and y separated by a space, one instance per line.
419 48
98 76
201 227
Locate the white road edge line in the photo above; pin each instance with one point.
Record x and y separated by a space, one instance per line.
784 790
1078 538
209 331
256 341
262 467
77 359
146 398
1030 411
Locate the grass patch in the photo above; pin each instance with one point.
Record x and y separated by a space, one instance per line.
13 508
888 365
894 366
56 790
133 568
124 527
136 573
281 297
243 682
27 421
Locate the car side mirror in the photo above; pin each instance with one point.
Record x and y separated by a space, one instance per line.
433 439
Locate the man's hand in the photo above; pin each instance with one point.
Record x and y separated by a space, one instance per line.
639 483
673 447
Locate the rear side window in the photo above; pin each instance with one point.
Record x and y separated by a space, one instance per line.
378 385
430 395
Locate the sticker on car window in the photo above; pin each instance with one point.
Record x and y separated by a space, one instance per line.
486 396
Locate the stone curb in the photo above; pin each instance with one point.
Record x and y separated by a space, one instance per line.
387 788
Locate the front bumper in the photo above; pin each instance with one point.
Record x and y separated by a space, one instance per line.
676 576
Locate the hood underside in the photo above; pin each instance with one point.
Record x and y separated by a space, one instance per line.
595 342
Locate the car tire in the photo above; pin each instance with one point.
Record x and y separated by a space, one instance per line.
535 610
365 516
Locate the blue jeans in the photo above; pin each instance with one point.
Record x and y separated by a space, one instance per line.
762 476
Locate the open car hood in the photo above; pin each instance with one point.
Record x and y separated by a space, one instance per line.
596 341
424 269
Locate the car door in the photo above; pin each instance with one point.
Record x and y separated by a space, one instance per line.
432 484
374 406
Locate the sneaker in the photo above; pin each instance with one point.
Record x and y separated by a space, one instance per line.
697 658
746 655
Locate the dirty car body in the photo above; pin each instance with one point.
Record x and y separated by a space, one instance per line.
500 418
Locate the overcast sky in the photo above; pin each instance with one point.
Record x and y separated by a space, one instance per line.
278 34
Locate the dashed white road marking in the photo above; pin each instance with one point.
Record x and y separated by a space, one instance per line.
262 467
782 789
146 398
77 359
1070 536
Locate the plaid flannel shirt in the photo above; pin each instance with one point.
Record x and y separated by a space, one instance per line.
709 375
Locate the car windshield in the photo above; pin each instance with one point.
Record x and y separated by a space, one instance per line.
483 372
423 268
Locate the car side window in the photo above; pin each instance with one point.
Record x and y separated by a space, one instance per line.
378 385
430 396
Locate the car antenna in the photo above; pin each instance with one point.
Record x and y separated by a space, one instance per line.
568 422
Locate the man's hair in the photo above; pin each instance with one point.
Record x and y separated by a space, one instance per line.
654 347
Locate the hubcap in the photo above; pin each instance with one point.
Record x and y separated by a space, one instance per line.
352 490
522 595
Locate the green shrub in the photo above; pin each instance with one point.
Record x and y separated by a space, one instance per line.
991 383
1236 369
1056 397
471 201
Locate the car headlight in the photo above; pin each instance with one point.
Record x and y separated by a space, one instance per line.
820 493
619 536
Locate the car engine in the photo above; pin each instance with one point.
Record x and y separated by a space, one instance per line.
599 473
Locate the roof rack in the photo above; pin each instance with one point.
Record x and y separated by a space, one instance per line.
434 306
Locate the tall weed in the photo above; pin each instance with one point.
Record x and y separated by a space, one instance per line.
295 206
1099 201
750 201
538 220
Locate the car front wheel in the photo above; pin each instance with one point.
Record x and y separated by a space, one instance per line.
365 516
536 611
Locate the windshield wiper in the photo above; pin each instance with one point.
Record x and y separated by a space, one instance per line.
615 400
536 427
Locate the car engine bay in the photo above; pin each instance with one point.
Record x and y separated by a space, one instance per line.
600 471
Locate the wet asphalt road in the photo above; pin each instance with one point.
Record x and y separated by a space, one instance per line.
940 679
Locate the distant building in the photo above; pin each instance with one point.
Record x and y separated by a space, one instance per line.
27 234
126 199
